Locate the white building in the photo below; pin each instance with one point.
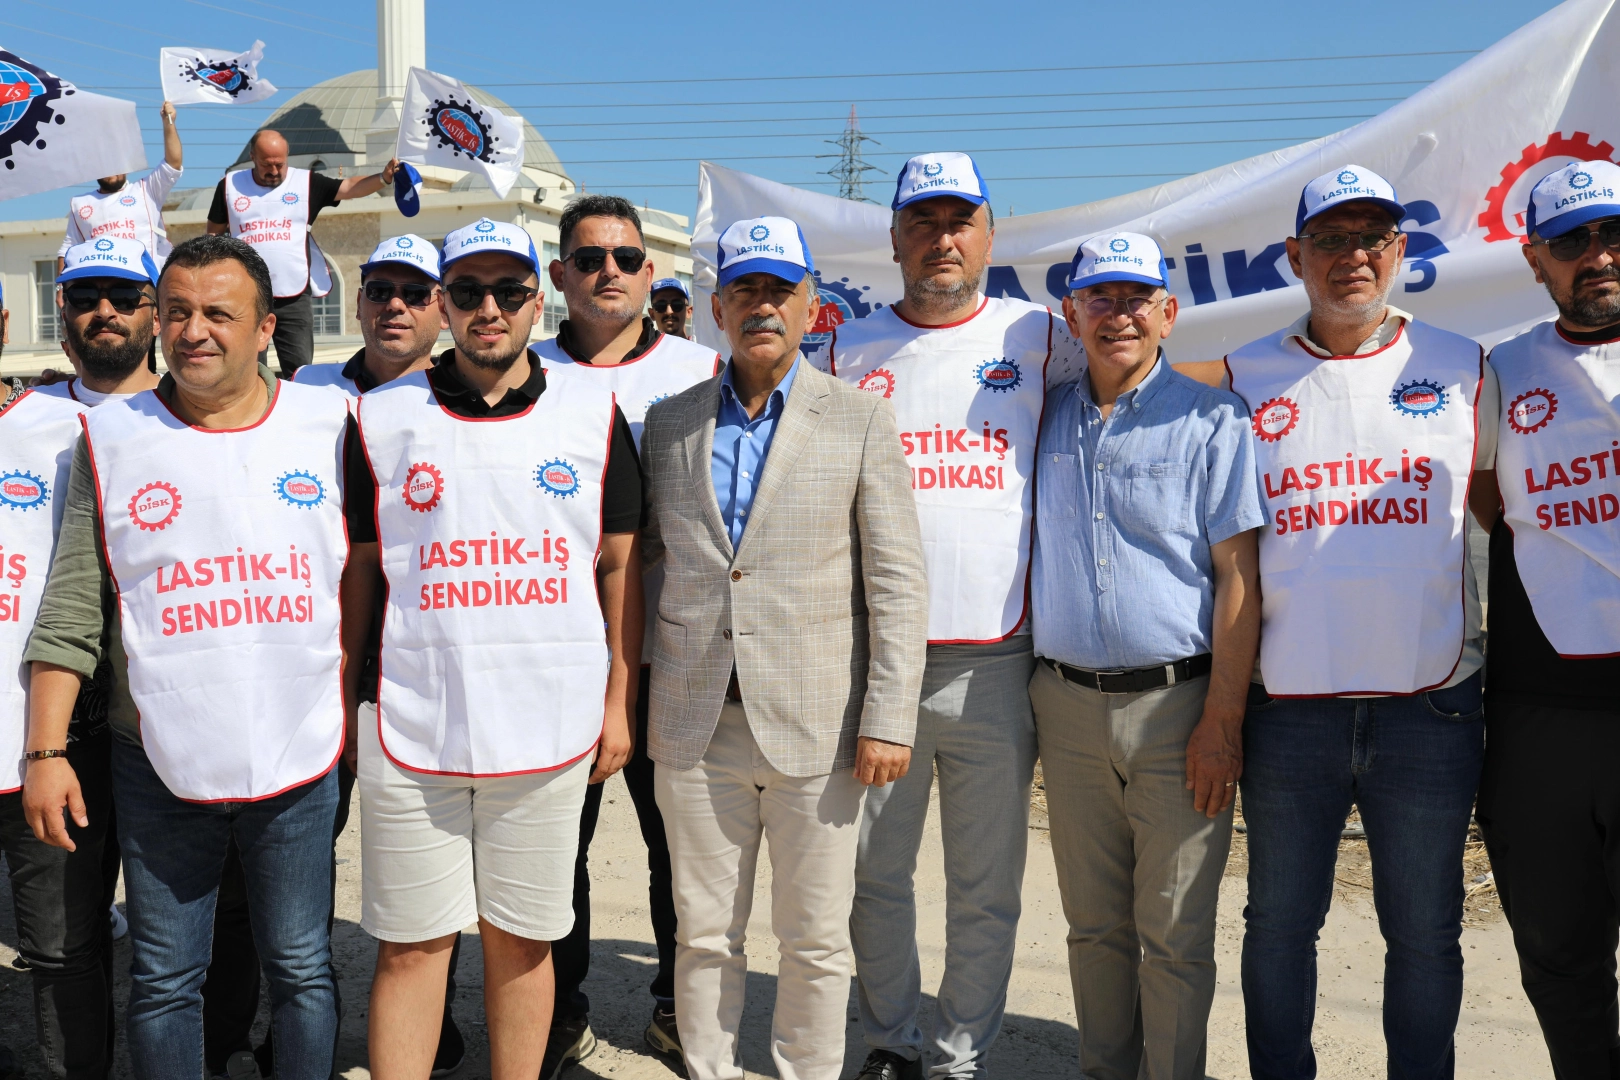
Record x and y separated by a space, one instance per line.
341 127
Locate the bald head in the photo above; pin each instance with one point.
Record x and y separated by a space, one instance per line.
269 152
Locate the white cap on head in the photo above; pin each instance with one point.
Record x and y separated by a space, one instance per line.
1572 196
109 257
486 235
1352 183
1118 256
408 250
764 245
928 176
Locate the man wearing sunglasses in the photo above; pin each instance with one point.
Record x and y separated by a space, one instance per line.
1548 802
507 526
1368 689
109 321
607 342
670 303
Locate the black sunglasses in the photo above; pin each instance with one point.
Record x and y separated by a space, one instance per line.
661 306
1330 243
509 296
588 260
83 296
1573 244
381 292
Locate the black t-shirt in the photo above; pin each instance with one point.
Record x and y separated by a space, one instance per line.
650 336
323 192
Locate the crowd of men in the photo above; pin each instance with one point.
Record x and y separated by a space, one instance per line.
785 600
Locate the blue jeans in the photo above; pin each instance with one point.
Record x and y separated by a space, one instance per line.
174 854
1411 765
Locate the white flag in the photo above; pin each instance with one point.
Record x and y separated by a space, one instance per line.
441 124
213 76
53 134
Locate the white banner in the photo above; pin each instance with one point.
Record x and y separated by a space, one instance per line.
213 76
53 134
442 124
1462 153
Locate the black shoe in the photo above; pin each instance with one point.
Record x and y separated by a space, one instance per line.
452 1052
888 1065
664 1037
571 1040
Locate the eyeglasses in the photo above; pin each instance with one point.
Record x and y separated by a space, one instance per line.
588 260
509 296
381 292
1101 307
1331 243
1573 244
83 296
661 306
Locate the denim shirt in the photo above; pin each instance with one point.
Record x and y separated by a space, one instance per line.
1126 510
740 447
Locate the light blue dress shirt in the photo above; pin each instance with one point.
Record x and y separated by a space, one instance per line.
740 446
1126 511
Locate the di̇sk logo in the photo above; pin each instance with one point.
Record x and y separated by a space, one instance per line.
241 202
424 486
758 233
85 212
877 381
999 375
104 245
1422 398
26 93
289 197
558 477
22 491
300 489
154 506
1274 419
127 200
1518 177
1119 243
933 168
460 126
1346 177
1532 410
1580 180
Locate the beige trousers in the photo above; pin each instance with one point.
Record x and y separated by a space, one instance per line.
715 815
1139 870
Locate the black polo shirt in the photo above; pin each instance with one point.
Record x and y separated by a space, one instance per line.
323 192
650 336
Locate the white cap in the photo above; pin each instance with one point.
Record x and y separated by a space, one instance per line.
1118 256
928 175
764 245
486 235
1352 183
410 249
109 257
1573 196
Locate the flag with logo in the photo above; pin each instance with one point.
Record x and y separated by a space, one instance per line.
213 76
1463 154
442 123
53 134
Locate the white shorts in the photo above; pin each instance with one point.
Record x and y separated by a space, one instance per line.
440 852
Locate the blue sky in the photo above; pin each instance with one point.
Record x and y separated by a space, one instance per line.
1088 101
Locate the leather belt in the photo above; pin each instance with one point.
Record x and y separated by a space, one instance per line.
1135 680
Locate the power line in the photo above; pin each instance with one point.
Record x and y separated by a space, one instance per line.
76 41
851 170
285 25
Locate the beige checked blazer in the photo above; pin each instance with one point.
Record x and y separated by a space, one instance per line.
823 607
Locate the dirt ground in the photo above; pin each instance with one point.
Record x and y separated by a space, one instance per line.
1497 1035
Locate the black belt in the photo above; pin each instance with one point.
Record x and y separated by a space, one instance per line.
1135 680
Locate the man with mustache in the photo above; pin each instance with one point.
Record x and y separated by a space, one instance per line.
118 209
670 302
1368 690
607 342
967 376
108 323
1549 805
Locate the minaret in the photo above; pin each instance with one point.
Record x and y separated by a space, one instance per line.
401 45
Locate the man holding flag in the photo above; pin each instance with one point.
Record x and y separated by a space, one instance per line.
121 210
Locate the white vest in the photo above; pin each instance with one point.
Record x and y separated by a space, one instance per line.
494 659
276 222
968 400
327 375
129 214
226 548
36 454
1558 466
1364 464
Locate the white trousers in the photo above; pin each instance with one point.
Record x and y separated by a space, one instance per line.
715 815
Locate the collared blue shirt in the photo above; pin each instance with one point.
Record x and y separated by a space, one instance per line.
1127 509
740 446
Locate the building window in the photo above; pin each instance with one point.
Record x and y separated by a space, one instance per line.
556 308
328 309
47 322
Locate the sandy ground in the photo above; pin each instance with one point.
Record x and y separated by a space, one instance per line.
1497 1036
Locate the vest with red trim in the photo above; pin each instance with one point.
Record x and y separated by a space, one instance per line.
226 548
128 214
37 434
330 375
1364 464
1558 467
276 222
968 399
494 658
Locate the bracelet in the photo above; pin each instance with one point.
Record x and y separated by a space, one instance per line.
36 755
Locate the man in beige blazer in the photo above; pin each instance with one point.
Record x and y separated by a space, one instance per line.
788 653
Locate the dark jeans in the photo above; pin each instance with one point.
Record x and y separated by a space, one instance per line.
61 900
572 955
1549 806
174 859
294 334
1411 765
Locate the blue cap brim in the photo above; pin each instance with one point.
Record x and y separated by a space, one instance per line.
1115 275
528 257
104 272
792 273
1574 219
366 268
976 200
1393 207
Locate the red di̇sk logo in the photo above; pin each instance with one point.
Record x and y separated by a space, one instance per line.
1274 419
1518 177
85 212
424 486
1532 410
877 381
241 203
154 506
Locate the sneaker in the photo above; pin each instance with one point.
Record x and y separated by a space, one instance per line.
571 1040
663 1036
452 1052
120 925
888 1065
242 1065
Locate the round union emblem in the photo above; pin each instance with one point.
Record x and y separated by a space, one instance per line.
877 381
999 375
241 203
22 491
558 477
1532 410
301 489
1422 398
154 506
424 486
1274 419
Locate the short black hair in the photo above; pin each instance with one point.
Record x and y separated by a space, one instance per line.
206 250
595 206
